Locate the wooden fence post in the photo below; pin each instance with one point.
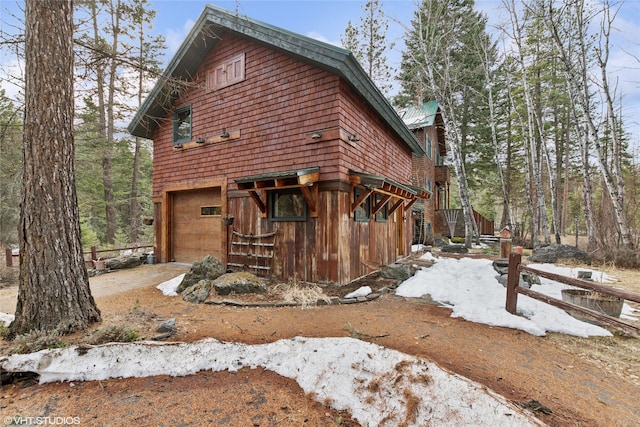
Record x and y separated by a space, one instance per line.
513 280
94 253
9 257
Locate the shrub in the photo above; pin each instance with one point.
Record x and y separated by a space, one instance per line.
35 341
112 333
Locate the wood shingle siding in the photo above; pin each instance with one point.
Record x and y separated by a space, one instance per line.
301 105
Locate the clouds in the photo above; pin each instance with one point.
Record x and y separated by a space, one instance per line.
175 37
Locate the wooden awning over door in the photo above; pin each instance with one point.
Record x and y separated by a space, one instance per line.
304 179
406 195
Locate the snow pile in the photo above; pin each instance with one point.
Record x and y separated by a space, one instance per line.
469 287
360 292
169 287
374 384
6 319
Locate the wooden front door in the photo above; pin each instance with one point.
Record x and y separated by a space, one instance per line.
197 225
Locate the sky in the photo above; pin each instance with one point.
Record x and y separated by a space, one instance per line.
326 20
338 370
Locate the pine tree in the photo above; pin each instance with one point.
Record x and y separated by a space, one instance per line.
442 62
369 45
53 291
10 170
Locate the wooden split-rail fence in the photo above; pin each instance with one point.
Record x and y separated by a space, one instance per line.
513 289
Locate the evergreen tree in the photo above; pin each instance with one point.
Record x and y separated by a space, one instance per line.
53 290
368 43
10 170
442 63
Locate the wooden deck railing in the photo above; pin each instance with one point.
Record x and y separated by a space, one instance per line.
513 289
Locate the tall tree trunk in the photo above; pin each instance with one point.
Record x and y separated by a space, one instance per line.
105 142
577 75
133 206
534 131
53 292
107 155
506 212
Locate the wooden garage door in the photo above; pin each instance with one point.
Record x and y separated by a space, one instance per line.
196 225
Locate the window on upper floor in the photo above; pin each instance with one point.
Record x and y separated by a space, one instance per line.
182 125
429 147
438 159
227 72
287 205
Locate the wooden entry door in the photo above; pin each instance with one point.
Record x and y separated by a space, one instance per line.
196 225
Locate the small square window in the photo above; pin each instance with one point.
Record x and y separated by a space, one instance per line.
182 125
287 205
362 212
383 214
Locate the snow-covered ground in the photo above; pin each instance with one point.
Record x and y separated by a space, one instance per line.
369 381
469 287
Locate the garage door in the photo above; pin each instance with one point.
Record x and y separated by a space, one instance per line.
196 225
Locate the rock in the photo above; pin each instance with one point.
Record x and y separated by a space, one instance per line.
168 326
526 280
501 266
553 253
530 279
197 293
207 269
584 275
241 282
454 249
399 272
125 261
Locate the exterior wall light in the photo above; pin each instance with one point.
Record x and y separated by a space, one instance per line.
200 140
224 134
354 138
316 136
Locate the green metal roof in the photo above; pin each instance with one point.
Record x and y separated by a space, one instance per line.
214 22
419 116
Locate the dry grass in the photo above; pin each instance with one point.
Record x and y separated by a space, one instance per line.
617 355
307 295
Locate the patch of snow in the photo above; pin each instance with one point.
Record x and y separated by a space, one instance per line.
360 292
374 384
169 287
469 287
428 256
6 318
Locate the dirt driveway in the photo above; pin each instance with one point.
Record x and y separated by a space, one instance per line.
575 382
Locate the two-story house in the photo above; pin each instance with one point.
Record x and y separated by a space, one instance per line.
276 152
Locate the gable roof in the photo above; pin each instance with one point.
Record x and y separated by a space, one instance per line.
214 22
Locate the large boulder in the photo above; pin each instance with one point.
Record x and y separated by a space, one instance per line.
554 253
197 293
454 249
125 261
241 282
208 269
399 272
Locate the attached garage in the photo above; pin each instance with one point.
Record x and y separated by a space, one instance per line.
196 225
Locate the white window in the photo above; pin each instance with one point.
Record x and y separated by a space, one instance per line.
226 73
